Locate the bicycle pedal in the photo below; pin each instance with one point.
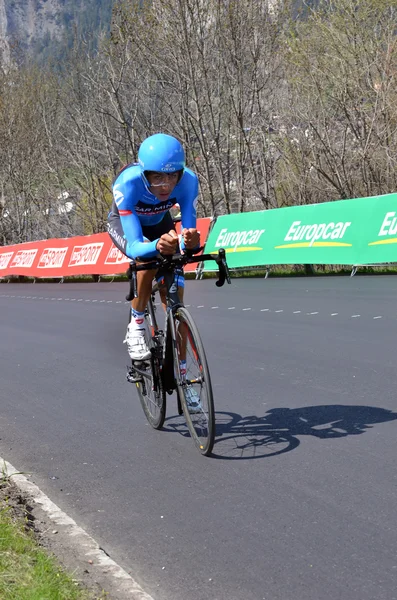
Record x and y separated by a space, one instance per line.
133 377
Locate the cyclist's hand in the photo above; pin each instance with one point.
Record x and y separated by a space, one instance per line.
168 243
191 238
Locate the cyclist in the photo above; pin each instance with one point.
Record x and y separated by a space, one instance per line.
141 225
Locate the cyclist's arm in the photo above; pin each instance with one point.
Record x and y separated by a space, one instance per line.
136 244
125 194
188 206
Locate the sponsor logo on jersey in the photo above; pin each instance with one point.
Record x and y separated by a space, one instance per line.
115 235
5 259
85 255
148 210
52 258
24 258
117 195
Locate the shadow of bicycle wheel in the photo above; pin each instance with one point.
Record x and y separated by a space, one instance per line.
250 437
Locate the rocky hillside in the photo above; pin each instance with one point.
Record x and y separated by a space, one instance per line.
40 28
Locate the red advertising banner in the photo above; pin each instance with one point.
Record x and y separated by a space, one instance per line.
84 255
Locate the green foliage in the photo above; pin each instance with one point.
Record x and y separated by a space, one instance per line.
27 572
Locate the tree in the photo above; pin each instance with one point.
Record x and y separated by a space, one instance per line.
208 72
341 72
28 104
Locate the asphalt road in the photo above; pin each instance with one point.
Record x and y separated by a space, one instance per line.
299 500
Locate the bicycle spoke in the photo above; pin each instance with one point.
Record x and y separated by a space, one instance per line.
195 386
152 395
150 386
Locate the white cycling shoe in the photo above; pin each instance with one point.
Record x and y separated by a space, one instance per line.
192 400
136 340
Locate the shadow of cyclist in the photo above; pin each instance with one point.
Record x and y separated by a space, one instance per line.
242 438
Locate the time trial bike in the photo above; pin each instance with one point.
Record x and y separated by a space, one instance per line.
179 340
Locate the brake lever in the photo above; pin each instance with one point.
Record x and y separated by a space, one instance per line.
223 269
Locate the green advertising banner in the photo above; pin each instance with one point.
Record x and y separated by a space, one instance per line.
344 232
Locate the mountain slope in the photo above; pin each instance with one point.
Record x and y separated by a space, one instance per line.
44 28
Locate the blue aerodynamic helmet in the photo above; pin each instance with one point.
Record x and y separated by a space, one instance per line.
161 153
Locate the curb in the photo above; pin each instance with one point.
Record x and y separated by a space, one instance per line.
119 584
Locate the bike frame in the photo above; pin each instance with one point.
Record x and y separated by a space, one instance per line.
170 359
163 338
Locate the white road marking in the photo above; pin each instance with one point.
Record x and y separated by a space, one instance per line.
295 312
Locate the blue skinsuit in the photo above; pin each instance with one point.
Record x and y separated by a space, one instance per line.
137 207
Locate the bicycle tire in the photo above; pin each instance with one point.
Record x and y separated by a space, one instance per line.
201 425
153 401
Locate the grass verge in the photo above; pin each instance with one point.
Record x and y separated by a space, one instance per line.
27 572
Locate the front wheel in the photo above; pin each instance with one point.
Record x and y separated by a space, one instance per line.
194 387
151 392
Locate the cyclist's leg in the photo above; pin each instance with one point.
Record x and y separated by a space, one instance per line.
144 278
150 233
167 224
144 288
137 334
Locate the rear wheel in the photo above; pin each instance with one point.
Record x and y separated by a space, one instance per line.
151 392
194 388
